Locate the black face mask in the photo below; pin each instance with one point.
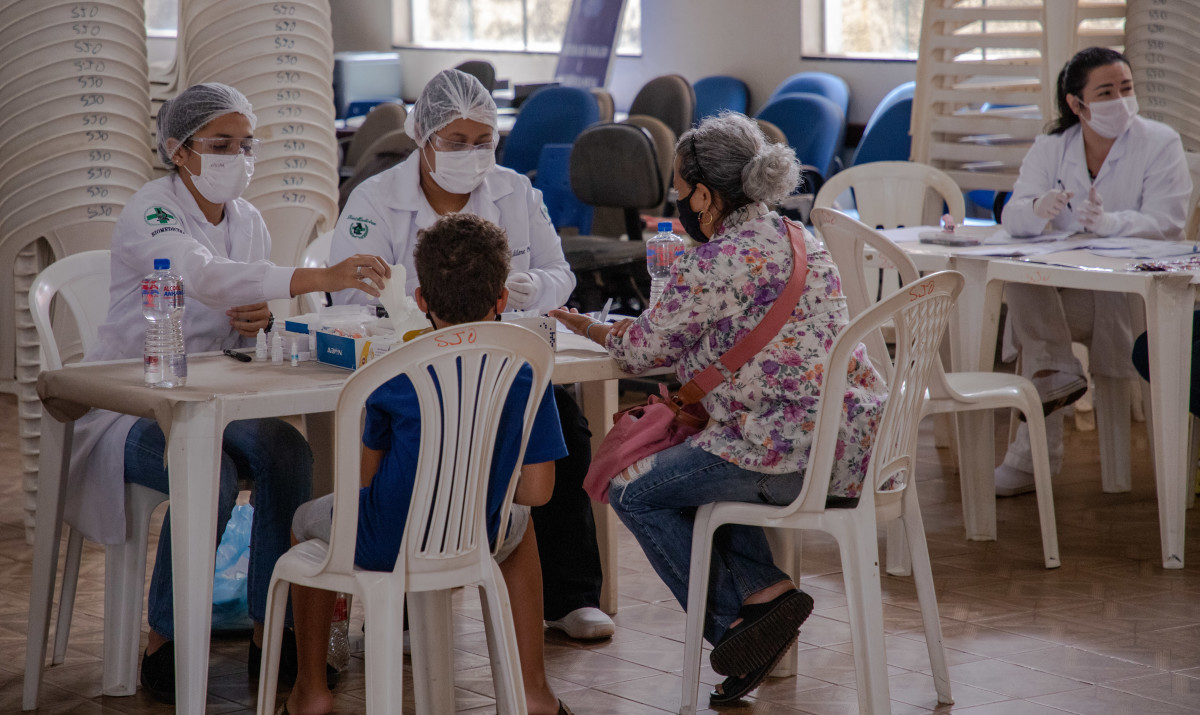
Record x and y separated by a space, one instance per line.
691 219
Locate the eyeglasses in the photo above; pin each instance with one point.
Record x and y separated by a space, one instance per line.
442 144
227 145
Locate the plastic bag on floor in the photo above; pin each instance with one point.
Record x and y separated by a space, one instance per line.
230 608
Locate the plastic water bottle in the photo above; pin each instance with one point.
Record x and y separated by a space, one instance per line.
661 252
165 356
339 633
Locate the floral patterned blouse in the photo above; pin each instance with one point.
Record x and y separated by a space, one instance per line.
762 420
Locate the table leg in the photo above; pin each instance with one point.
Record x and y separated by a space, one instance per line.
318 429
193 466
1169 307
54 463
973 331
598 401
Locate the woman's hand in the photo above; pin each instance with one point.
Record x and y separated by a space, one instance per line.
248 319
364 272
620 327
581 324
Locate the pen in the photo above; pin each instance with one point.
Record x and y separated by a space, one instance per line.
1064 188
243 357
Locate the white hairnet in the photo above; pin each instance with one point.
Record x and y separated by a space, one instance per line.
191 109
450 95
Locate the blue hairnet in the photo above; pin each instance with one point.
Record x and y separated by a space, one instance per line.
191 109
450 95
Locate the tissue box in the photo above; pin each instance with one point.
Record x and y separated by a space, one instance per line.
350 353
543 325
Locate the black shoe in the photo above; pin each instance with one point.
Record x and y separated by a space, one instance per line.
735 687
287 662
764 630
158 673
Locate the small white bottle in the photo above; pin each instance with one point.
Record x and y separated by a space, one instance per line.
276 349
295 353
261 352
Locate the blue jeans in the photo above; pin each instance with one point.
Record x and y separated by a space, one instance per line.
268 452
659 507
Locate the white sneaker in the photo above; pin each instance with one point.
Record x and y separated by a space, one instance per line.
1011 481
585 624
1059 389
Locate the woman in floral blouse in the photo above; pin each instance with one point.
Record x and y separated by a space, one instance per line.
756 444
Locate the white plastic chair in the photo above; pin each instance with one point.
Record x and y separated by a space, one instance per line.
81 281
445 541
920 323
949 392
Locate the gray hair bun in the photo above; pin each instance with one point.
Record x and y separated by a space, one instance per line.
771 174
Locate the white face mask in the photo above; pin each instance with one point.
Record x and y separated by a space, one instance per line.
223 177
459 172
1112 117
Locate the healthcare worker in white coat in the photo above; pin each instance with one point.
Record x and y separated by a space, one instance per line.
219 244
1103 170
454 170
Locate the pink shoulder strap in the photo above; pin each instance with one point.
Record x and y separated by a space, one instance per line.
766 330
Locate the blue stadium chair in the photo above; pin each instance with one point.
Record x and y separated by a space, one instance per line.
886 136
827 85
815 127
554 181
554 115
718 93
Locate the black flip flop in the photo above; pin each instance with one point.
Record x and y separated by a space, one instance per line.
736 687
765 629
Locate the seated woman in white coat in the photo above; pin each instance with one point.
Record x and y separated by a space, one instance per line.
454 170
1104 170
219 244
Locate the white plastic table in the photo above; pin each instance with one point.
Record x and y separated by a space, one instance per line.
1169 298
221 390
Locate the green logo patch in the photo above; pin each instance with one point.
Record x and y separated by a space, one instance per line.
158 216
358 229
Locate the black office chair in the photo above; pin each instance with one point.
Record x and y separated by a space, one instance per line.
670 99
613 166
481 70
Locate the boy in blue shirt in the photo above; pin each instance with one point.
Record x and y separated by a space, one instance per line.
462 262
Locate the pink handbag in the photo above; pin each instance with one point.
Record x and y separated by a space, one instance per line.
666 421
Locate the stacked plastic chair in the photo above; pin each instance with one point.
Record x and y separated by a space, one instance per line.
1160 42
985 79
74 146
280 55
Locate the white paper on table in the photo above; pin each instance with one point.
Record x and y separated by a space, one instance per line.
1141 248
990 235
1025 248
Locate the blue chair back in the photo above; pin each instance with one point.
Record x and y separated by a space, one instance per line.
886 136
554 181
718 93
554 115
829 86
814 126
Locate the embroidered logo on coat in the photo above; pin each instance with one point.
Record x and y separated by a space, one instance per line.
158 216
358 229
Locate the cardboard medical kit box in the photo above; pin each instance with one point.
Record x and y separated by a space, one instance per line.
350 352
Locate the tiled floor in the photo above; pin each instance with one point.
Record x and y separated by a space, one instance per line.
1109 632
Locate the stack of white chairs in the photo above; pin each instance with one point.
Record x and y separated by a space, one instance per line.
985 79
1160 42
74 146
280 55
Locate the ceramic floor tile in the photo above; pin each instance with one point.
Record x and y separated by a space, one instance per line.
1101 700
1012 680
1020 639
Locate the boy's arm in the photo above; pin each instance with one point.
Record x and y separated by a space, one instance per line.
535 484
371 459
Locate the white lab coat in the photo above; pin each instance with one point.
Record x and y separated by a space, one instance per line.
222 266
1144 181
385 212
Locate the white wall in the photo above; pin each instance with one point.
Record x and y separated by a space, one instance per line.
756 40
